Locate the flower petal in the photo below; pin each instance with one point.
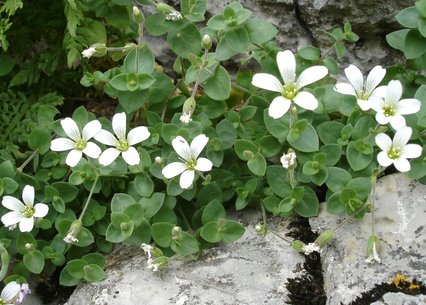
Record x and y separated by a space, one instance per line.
71 129
12 203
131 156
383 141
182 148
119 125
402 136
382 119
91 129
355 77
73 157
10 291
397 121
402 165
105 137
11 218
137 135
393 92
408 106
364 105
411 151
380 91
28 195
198 144
383 158
108 156
311 75
26 224
345 88
306 100
204 165
92 150
374 78
266 81
287 66
377 103
41 210
186 179
173 169
279 107
62 144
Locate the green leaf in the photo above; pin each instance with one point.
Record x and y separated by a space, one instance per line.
334 205
34 261
144 185
329 132
277 178
162 233
185 245
210 232
7 169
308 139
340 49
119 82
309 205
337 179
414 44
396 39
95 258
121 201
333 153
39 139
269 146
226 132
179 41
65 279
237 39
85 238
233 230
75 268
152 205
422 26
310 168
212 212
156 24
408 17
218 87
217 23
245 149
23 239
357 160
67 191
58 204
224 51
257 165
260 31
193 10
320 177
421 7
10 186
309 53
361 185
331 65
278 128
93 273
6 64
139 60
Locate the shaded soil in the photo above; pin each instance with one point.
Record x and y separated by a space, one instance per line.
50 292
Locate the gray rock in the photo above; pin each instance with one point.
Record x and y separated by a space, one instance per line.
399 298
251 271
400 212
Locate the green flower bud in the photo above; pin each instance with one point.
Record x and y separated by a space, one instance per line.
298 245
189 105
29 247
164 8
206 42
137 14
325 238
100 49
73 232
158 160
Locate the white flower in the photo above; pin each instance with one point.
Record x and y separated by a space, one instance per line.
174 15
70 238
186 118
147 249
366 93
10 293
374 256
88 52
311 247
190 164
397 151
391 109
23 213
122 144
79 142
289 159
290 90
151 265
25 290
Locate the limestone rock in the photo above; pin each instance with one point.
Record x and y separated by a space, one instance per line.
400 213
401 299
250 271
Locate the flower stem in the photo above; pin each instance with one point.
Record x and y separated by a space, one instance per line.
89 198
166 102
197 81
19 169
4 261
281 237
265 224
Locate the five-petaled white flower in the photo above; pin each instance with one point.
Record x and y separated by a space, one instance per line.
88 52
288 160
23 213
397 151
79 142
122 144
290 90
366 93
190 164
10 293
391 109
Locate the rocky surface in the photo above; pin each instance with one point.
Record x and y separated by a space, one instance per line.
400 213
250 271
401 299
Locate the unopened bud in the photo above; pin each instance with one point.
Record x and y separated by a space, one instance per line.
73 232
258 228
325 238
137 14
29 247
176 230
298 245
164 8
206 42
158 160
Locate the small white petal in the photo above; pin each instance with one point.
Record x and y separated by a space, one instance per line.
383 159
10 291
287 66
382 119
383 141
397 121
411 151
364 105
306 100
108 156
374 78
266 81
11 218
137 135
28 195
119 125
198 144
279 107
204 165
62 144
380 91
71 129
186 179
131 156
92 150
393 92
105 137
377 104
26 224
311 75
355 77
408 106
182 148
173 169
402 165
345 88
41 210
73 157
12 203
402 136
91 129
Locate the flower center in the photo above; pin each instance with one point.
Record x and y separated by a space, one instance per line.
28 212
191 164
289 91
123 145
2 302
394 153
363 95
80 144
389 110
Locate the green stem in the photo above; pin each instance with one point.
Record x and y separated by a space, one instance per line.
4 262
166 102
240 88
185 219
19 169
281 237
89 198
265 224
197 81
327 51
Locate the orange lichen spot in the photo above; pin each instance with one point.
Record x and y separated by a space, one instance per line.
402 282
